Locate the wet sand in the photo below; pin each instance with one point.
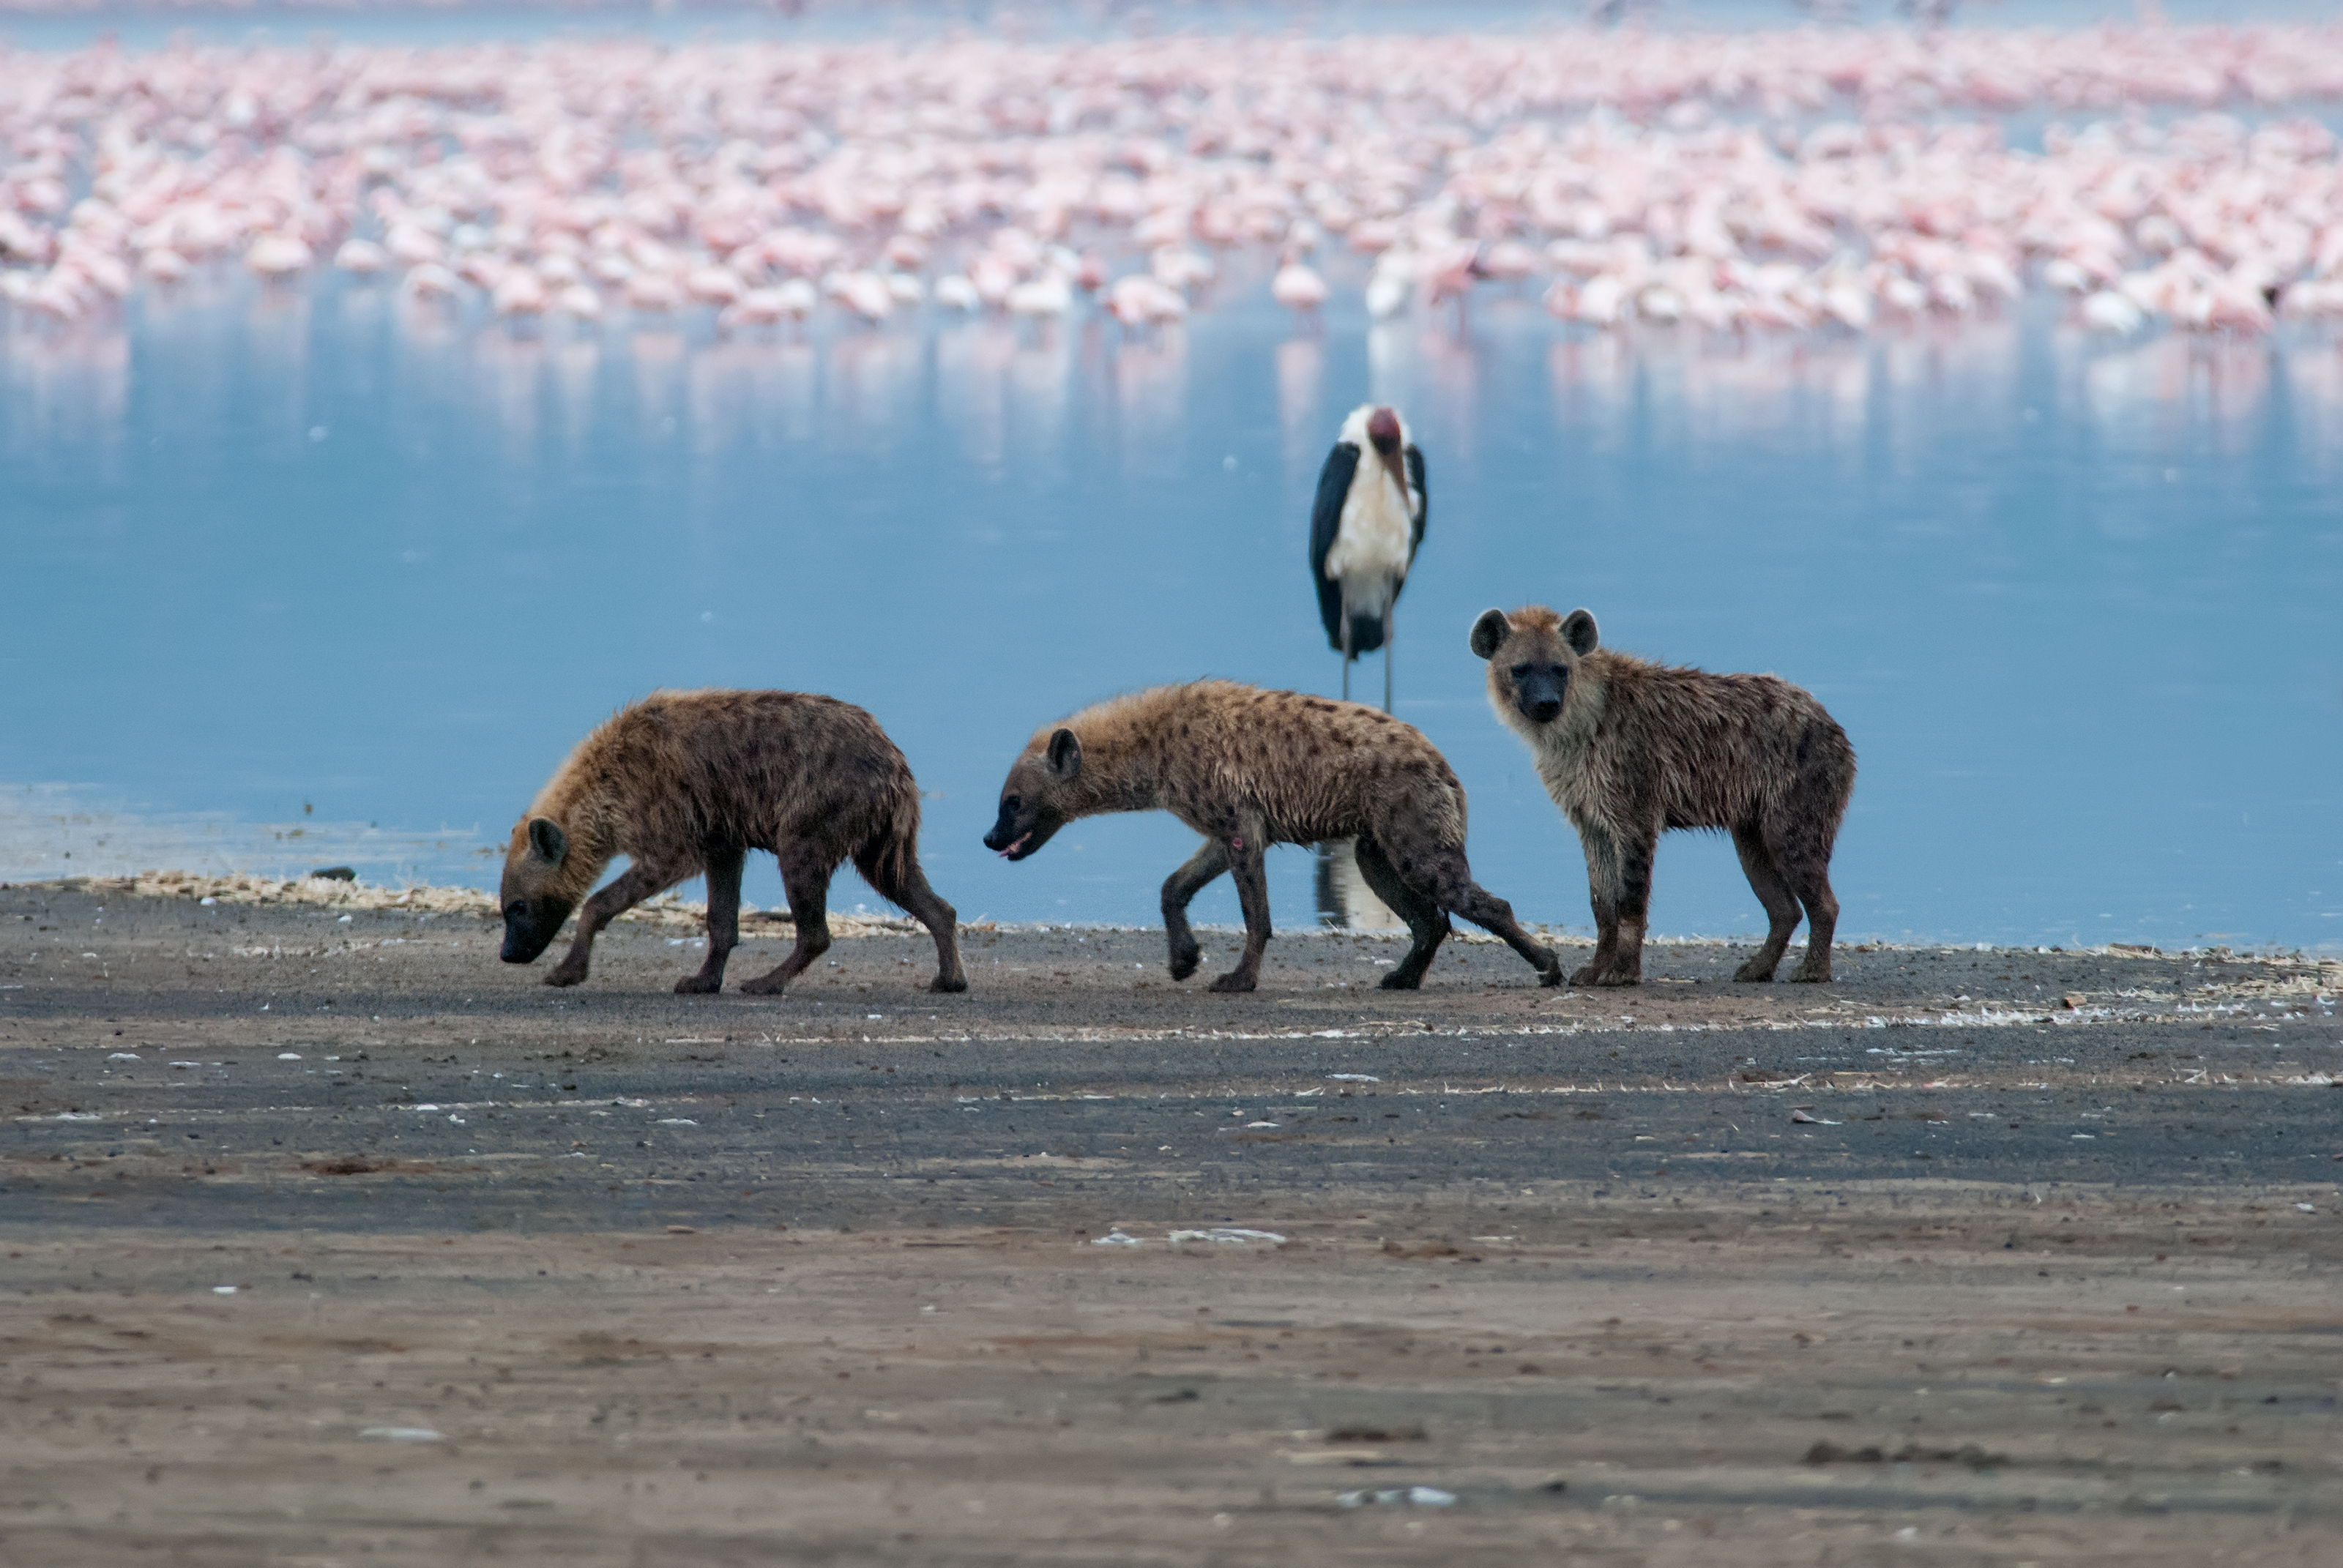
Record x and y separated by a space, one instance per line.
1972 1257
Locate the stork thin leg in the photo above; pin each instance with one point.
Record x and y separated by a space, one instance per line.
1389 612
1346 653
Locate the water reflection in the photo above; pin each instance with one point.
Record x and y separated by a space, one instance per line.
2161 391
1345 902
2314 391
1151 388
64 393
1300 374
872 388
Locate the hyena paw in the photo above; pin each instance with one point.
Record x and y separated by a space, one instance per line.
1185 961
764 985
1808 974
1619 977
1585 974
1234 981
1550 974
1756 971
698 985
564 975
1399 979
947 984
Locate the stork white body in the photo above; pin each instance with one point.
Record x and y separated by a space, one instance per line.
1367 527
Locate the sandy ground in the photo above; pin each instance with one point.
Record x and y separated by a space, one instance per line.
334 1240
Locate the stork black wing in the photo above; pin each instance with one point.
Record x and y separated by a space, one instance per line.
1423 500
1326 518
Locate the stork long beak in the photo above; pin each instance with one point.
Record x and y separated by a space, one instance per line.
1383 434
1396 466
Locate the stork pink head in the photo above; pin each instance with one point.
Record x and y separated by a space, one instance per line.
1382 429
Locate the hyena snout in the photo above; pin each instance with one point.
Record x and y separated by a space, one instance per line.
1022 828
1537 692
531 926
1033 803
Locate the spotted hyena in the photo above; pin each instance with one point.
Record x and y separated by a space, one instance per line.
1629 749
1249 768
690 781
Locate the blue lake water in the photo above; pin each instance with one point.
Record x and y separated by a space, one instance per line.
322 558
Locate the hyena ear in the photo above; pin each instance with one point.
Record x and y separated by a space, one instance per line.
1490 632
1578 631
1065 755
547 840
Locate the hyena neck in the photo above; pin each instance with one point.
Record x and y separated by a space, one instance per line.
588 818
1583 702
1124 743
1121 772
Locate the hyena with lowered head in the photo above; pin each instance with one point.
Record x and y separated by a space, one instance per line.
684 782
1629 749
1248 768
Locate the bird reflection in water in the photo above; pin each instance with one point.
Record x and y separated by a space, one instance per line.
1345 902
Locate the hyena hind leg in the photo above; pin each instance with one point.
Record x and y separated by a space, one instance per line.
911 892
1780 905
1807 869
807 881
1453 889
1427 924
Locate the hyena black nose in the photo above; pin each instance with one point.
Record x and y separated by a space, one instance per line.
1546 708
997 840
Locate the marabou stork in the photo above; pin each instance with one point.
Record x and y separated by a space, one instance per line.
1364 533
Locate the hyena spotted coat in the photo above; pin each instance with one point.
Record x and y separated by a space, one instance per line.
1629 749
690 781
1248 768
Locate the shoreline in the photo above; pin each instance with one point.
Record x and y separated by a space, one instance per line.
670 912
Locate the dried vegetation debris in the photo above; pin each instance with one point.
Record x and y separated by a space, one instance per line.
666 912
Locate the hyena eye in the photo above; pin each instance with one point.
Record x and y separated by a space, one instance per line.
1013 803
1521 671
517 911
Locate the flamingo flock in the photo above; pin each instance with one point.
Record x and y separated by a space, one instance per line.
1830 180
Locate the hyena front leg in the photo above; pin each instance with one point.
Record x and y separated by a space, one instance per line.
1247 853
724 863
1178 888
636 883
1603 897
1635 856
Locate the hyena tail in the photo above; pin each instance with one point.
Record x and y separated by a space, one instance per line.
890 859
1826 770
